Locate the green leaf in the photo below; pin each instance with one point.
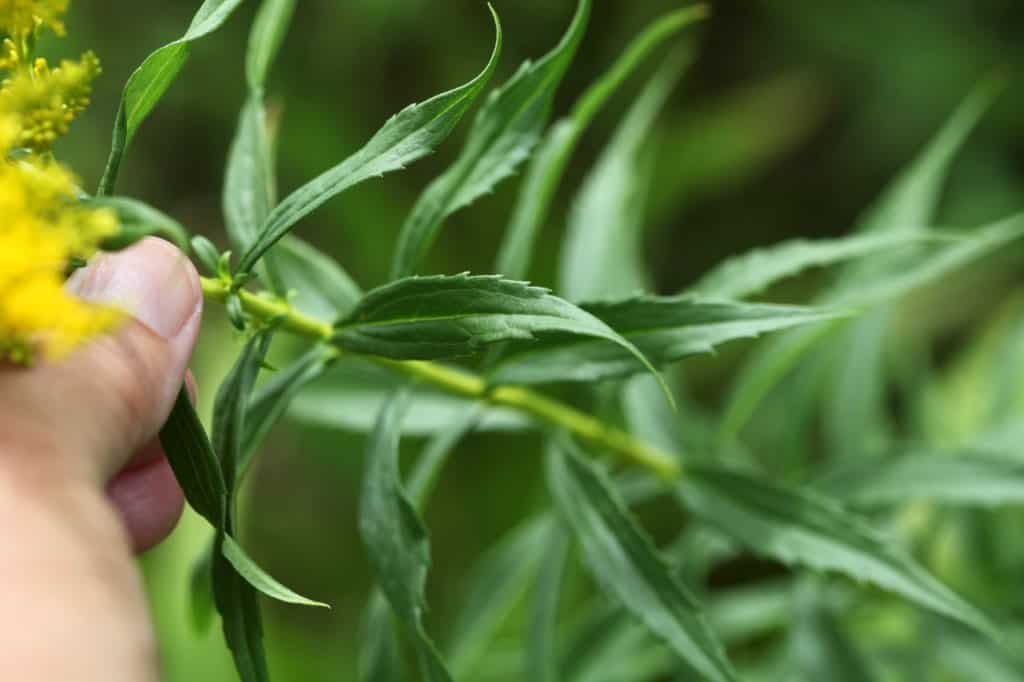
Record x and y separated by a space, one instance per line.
406 138
153 78
258 578
552 157
396 539
503 135
602 255
497 584
314 282
201 607
237 602
268 32
230 407
137 221
351 395
905 208
819 647
958 478
193 460
380 660
274 397
425 318
627 566
249 179
665 330
799 527
542 651
757 270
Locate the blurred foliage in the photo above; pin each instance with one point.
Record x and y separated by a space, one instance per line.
794 116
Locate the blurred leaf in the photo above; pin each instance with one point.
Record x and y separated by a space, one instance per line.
819 647
268 32
258 578
396 539
602 254
796 526
201 608
542 650
354 391
274 397
425 318
626 564
961 478
153 78
380 658
407 137
497 584
314 282
906 207
503 135
249 180
551 159
665 329
753 272
137 221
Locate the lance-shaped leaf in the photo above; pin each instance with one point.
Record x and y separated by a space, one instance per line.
153 78
407 137
664 329
260 579
628 567
249 179
542 650
757 270
552 157
396 539
905 208
969 478
314 282
425 318
351 395
503 135
379 659
798 527
602 255
268 31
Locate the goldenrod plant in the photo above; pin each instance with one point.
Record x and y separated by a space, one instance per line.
591 364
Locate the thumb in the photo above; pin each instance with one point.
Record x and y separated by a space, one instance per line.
112 396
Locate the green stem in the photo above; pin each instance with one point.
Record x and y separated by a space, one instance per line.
462 383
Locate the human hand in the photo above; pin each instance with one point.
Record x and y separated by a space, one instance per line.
84 482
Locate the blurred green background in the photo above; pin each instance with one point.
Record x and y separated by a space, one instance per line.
793 117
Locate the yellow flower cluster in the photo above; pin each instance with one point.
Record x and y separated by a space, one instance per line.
43 228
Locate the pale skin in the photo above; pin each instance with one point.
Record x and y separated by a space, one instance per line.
84 484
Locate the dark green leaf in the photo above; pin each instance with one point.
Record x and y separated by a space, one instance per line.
552 158
153 78
406 138
230 407
666 330
237 602
799 527
425 318
602 255
396 539
542 651
249 179
268 32
626 564
503 136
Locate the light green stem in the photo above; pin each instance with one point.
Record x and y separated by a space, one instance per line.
459 382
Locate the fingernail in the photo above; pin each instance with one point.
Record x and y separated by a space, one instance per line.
151 280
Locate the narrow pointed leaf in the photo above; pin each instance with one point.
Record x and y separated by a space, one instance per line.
153 78
268 32
542 650
396 539
970 478
238 605
260 579
757 270
666 330
798 527
424 318
627 566
503 136
314 282
602 255
552 157
136 221
248 182
407 137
